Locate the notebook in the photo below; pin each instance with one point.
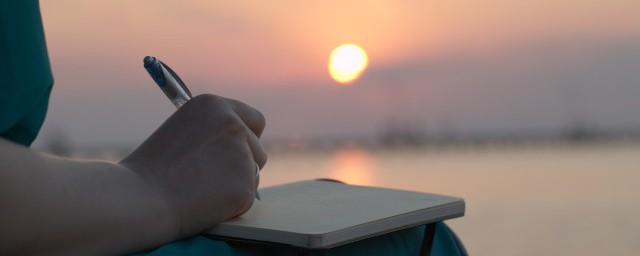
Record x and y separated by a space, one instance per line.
320 214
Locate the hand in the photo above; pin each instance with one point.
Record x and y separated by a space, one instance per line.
203 161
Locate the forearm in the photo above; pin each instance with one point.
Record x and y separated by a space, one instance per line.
58 206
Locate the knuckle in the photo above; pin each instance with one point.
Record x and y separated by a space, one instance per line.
231 123
261 122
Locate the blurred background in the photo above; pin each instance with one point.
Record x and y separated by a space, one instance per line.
527 109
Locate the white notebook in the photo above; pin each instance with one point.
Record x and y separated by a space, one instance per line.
322 214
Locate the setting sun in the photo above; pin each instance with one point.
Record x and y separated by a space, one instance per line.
347 62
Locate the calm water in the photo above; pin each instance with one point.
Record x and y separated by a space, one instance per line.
536 200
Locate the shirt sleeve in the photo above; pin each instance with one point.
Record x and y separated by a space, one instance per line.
25 72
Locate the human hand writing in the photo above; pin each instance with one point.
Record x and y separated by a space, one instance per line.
203 161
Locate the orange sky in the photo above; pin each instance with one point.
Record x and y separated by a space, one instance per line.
283 47
278 40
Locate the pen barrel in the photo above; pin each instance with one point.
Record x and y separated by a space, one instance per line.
175 89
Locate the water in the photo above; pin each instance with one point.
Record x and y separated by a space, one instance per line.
535 200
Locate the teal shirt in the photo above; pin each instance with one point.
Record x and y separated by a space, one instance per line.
25 74
25 85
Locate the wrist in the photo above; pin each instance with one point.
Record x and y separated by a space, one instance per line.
161 211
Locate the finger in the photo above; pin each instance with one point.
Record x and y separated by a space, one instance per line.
257 150
250 116
259 157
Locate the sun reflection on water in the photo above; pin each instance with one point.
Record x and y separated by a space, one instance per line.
352 166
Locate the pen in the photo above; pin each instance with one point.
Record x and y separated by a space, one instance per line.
172 86
168 81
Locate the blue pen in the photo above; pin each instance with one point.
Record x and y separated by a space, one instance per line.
172 86
168 81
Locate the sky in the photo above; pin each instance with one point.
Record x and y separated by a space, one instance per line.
449 67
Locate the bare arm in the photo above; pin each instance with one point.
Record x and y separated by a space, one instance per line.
193 172
58 206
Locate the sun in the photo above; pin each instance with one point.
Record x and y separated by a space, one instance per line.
347 62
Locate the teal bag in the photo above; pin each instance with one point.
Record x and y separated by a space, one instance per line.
403 242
